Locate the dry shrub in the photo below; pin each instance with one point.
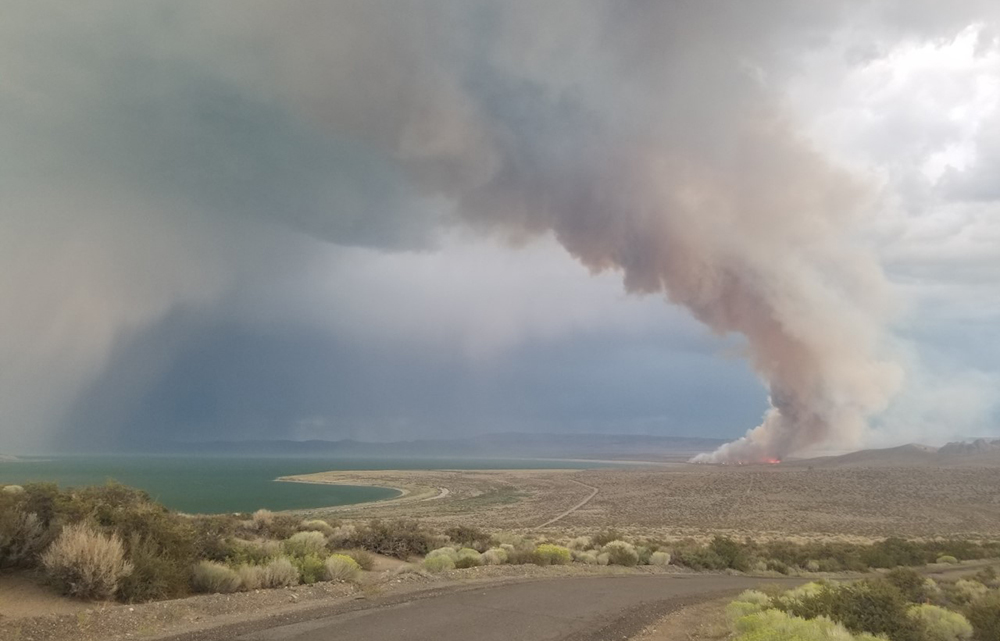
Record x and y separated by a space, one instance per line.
262 519
659 558
621 553
364 559
579 543
211 577
495 556
84 563
604 537
161 545
305 543
280 573
470 537
587 558
23 536
947 558
155 574
401 539
251 577
242 552
342 535
340 567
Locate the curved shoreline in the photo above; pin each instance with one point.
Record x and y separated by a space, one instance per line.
406 494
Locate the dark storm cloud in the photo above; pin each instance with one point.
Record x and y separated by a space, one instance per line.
229 382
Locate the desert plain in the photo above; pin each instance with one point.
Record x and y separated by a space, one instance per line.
855 503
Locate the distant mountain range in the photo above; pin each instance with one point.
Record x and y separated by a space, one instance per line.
980 452
513 445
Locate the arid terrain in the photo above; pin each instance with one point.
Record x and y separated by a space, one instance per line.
690 500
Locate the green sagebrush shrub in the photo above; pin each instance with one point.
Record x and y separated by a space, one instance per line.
311 568
302 544
340 567
872 606
317 525
553 554
775 625
439 563
939 624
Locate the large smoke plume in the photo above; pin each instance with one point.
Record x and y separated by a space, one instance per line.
645 139
648 138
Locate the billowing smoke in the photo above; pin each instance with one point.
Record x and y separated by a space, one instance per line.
646 137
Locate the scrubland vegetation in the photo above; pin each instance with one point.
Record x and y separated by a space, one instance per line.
900 605
115 542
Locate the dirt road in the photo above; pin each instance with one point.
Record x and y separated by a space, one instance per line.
579 609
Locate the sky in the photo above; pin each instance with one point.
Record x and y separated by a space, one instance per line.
777 222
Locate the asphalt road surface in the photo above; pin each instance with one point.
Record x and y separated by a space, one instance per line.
567 608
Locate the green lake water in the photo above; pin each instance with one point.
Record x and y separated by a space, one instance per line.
209 485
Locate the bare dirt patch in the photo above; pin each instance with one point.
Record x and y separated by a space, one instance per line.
700 622
23 595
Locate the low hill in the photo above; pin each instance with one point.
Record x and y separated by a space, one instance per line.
979 453
910 454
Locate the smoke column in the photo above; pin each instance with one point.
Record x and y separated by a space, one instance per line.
642 139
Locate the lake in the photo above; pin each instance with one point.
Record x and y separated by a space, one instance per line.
209 485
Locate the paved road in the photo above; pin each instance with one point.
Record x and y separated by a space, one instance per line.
576 609
568 608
